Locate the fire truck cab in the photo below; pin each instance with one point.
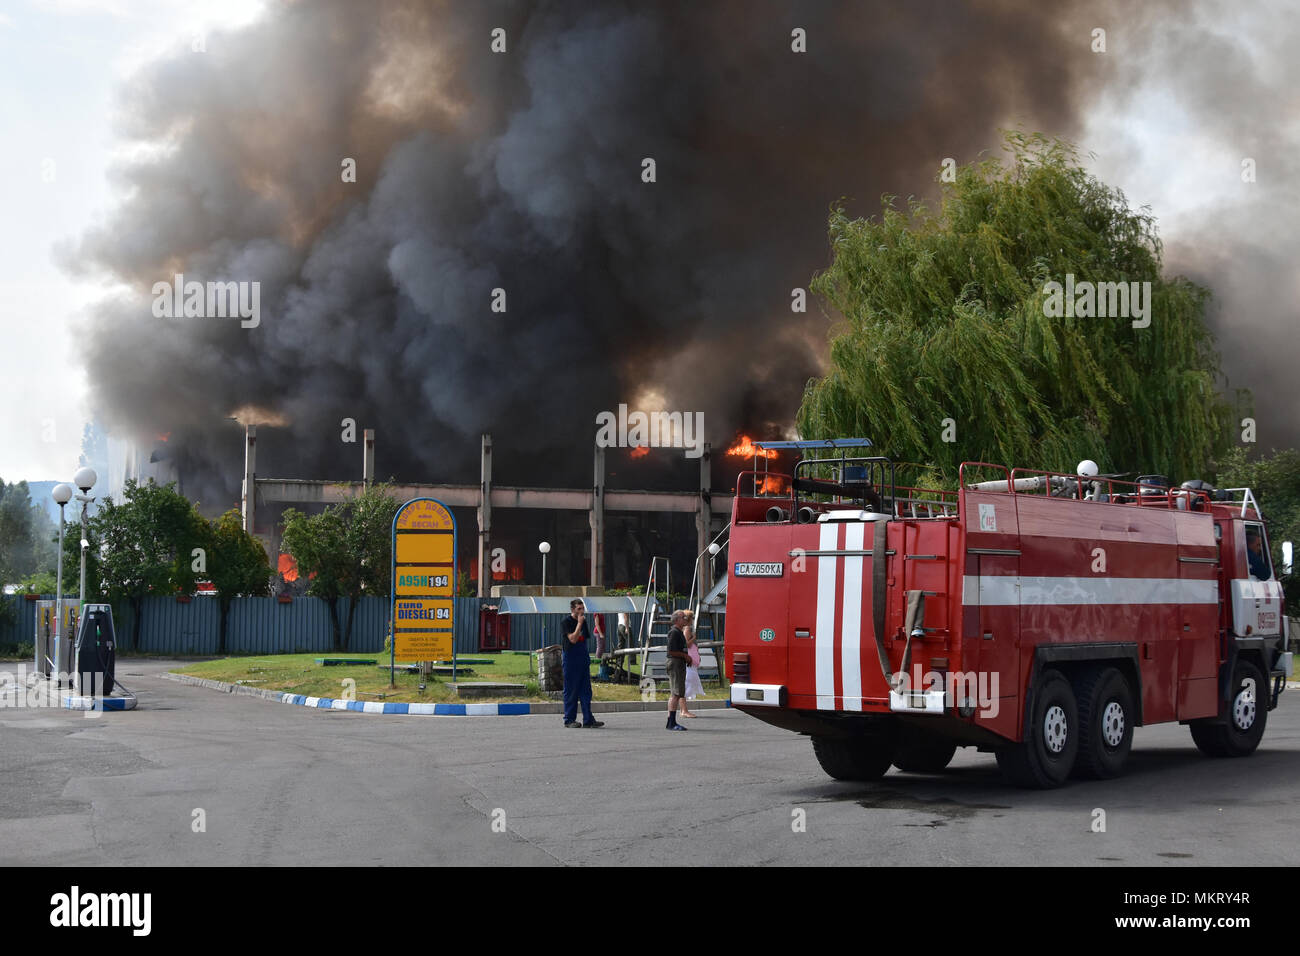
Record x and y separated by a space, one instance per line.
1034 615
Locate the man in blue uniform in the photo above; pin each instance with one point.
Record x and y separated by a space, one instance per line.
1258 561
577 667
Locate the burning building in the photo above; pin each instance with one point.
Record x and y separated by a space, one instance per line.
604 535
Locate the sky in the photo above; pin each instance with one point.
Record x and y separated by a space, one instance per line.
60 62
1178 106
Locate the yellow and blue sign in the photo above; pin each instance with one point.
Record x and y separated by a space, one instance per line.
424 581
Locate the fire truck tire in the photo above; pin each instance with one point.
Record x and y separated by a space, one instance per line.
1106 715
854 759
919 752
1247 715
1046 757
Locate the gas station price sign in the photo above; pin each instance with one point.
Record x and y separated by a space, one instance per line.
424 581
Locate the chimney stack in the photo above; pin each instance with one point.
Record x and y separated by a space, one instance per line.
250 477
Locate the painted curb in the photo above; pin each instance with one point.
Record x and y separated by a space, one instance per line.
432 710
72 702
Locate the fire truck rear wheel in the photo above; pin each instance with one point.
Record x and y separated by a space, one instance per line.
1247 713
1106 715
857 758
1046 756
921 752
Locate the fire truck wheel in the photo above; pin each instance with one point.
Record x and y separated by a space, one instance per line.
1046 756
920 752
1106 716
1247 714
854 758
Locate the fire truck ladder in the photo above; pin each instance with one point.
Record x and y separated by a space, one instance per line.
656 621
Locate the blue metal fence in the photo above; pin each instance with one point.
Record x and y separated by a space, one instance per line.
256 625
18 618
262 625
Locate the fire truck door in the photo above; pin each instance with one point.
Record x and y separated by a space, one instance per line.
993 586
833 661
814 570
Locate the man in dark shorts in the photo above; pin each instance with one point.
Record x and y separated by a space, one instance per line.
577 667
678 658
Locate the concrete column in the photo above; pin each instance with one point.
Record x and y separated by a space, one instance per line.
485 521
704 518
597 521
250 477
368 461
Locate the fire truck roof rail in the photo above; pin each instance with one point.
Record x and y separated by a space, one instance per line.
1247 501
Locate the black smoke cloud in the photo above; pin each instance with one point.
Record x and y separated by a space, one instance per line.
522 171
1228 77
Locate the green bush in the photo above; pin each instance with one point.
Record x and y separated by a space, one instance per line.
20 650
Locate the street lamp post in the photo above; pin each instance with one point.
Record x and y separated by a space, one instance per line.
62 495
544 548
85 479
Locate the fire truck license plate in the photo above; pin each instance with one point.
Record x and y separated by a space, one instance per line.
759 570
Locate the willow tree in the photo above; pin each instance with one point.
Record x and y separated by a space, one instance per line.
952 346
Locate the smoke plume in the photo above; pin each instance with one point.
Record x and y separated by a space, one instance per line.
523 171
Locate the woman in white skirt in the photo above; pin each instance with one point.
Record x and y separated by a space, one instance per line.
693 686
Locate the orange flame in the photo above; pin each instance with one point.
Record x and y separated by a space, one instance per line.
640 451
772 485
288 567
744 448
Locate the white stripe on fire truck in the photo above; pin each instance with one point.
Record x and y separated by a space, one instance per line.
851 621
824 649
1010 589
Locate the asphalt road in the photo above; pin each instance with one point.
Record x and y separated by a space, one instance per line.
279 784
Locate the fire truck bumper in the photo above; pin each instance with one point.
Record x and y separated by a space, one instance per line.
758 695
1284 665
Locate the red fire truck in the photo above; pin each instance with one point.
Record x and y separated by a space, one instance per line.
1035 615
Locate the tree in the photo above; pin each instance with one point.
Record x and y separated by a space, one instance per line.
370 526
41 582
1275 482
147 545
315 542
346 551
28 538
946 351
236 563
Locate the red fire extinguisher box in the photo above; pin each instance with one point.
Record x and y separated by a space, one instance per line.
493 629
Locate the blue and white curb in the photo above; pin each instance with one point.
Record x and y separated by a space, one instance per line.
73 702
434 710
431 709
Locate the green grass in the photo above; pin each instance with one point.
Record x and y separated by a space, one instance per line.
300 674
